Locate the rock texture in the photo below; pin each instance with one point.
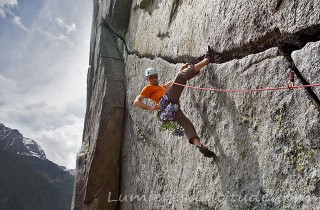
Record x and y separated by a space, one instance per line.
98 169
267 142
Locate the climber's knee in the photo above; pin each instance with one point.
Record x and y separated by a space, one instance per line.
191 140
188 73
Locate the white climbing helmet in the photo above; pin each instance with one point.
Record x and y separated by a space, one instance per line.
150 71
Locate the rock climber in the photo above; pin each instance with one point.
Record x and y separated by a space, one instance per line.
170 93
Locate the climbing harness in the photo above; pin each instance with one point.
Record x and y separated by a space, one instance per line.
167 114
168 110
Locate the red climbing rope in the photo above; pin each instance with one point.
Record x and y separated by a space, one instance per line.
251 90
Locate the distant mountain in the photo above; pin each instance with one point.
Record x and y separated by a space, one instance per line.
28 180
12 140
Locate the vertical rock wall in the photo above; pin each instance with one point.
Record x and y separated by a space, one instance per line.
98 162
267 142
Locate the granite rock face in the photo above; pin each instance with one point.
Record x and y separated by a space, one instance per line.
267 142
307 61
98 162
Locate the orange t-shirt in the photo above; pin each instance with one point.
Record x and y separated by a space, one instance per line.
154 92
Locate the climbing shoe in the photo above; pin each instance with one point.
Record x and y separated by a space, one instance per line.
209 54
206 152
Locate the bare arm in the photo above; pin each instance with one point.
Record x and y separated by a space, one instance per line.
138 102
184 66
168 85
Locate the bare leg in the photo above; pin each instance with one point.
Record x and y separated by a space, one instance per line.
188 73
174 94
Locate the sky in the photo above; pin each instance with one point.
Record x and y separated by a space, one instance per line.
44 59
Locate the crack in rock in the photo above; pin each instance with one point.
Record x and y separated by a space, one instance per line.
279 3
287 43
173 13
309 90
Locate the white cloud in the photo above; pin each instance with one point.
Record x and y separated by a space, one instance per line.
3 3
54 36
17 21
6 12
2 13
62 143
5 85
56 128
69 27
43 76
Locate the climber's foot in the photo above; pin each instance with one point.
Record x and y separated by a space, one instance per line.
209 54
206 152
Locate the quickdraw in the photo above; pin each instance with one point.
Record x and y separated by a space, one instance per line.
291 75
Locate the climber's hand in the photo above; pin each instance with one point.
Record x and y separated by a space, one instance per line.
155 107
184 66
